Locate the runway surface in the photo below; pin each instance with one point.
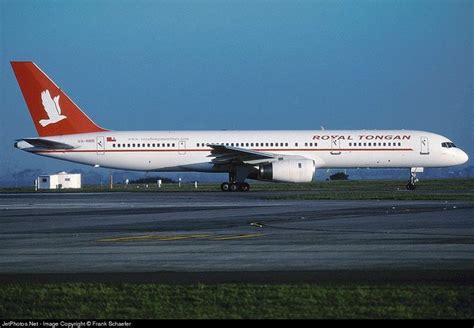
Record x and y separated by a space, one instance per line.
214 236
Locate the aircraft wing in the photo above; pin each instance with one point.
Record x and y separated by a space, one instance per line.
234 155
46 144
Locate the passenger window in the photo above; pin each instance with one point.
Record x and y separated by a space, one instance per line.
266 144
133 145
296 144
118 145
286 144
306 144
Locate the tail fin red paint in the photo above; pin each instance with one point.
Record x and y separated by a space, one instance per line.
52 111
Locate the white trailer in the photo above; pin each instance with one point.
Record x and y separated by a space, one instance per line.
61 180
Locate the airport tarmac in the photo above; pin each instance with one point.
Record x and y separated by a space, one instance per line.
231 237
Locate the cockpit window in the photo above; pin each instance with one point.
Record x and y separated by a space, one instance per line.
448 145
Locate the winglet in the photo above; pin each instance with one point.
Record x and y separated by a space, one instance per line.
52 111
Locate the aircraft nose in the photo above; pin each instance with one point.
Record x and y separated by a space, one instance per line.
463 158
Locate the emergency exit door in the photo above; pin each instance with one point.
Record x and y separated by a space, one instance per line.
425 146
335 146
100 142
182 147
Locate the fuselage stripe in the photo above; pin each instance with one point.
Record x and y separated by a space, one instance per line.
209 150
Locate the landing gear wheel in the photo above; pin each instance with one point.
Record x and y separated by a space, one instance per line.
244 186
410 186
233 186
225 186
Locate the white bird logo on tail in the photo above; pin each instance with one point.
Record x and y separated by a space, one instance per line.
51 107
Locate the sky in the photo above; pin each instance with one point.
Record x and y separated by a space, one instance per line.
204 65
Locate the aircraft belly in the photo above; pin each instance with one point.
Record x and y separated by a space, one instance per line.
153 161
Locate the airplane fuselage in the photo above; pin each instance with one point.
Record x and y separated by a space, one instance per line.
189 150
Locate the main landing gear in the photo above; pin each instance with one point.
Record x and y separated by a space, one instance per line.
235 186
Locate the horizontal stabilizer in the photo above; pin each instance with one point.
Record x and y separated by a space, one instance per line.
46 144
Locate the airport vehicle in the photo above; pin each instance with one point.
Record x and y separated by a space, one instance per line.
66 133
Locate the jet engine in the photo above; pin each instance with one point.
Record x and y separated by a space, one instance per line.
288 170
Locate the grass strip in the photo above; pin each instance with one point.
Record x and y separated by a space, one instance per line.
218 301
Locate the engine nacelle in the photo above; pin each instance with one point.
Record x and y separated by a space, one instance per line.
288 170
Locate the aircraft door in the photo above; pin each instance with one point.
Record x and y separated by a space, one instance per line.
100 144
335 146
182 147
425 146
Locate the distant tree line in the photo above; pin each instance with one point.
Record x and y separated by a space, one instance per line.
339 176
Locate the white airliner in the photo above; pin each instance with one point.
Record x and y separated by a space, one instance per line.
66 133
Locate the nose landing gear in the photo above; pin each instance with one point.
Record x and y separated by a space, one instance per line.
411 185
